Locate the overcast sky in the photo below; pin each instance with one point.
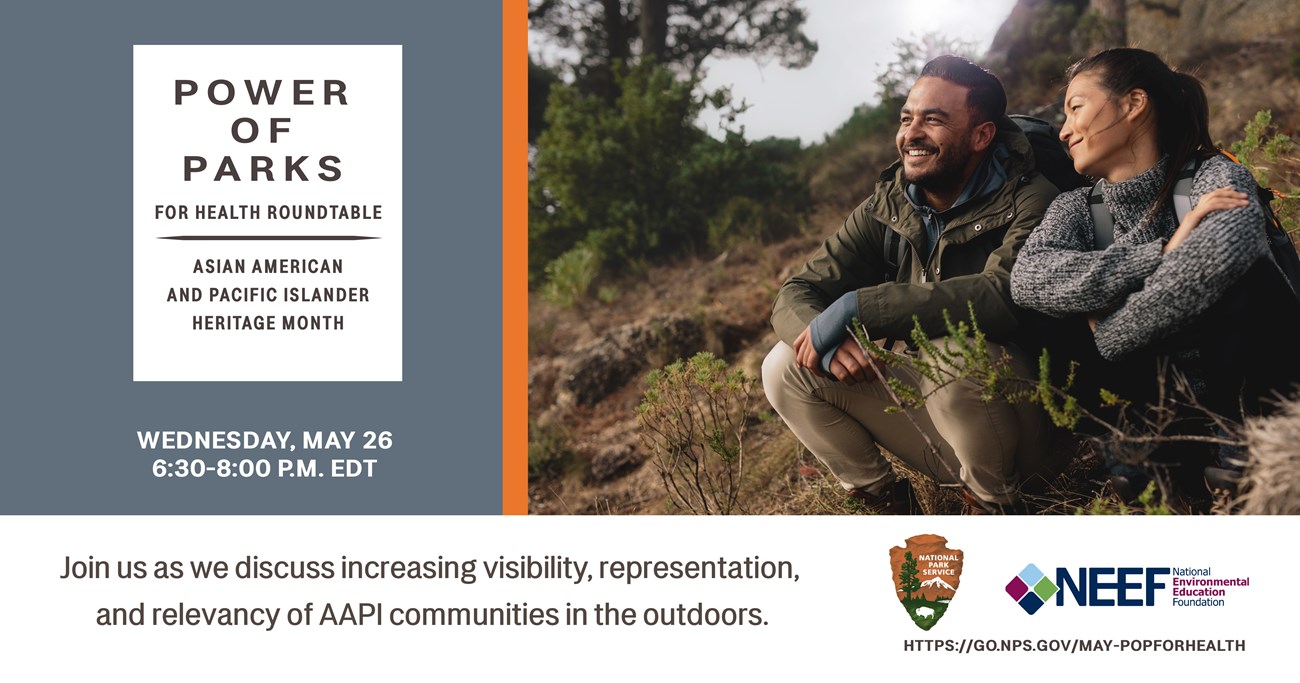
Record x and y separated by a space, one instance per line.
855 39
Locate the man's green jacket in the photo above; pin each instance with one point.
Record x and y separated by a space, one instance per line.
971 262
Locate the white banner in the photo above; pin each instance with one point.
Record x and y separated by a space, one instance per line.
267 212
635 598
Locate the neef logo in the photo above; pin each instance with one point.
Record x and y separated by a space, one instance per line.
1111 586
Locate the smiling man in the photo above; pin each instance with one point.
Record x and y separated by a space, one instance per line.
939 233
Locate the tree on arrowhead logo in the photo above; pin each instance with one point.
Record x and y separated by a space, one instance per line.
926 575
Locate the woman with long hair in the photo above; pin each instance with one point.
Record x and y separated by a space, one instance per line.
1202 292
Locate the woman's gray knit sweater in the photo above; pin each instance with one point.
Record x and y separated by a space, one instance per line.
1144 295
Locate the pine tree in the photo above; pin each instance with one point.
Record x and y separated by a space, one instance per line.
908 576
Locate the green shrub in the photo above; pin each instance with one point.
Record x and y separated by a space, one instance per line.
1129 436
549 454
1265 156
692 418
1150 502
867 120
609 176
1259 152
747 220
607 294
570 276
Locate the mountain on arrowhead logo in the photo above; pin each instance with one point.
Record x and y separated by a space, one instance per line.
926 575
937 582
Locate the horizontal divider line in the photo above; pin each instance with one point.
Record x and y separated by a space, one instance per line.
267 238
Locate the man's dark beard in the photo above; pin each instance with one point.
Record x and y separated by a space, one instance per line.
948 175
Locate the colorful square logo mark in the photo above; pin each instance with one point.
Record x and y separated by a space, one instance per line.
1031 589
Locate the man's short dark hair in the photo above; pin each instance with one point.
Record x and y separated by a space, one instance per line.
986 99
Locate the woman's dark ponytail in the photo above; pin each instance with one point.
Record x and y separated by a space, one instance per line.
1184 126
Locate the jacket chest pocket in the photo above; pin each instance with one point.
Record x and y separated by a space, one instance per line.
969 254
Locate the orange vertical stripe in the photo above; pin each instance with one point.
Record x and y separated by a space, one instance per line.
514 257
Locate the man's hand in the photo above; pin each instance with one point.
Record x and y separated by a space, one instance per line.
849 364
805 353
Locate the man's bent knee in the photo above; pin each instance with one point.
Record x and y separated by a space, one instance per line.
779 362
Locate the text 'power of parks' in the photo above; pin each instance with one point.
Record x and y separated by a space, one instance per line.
268 213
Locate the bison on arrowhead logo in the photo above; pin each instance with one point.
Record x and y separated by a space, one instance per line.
926 573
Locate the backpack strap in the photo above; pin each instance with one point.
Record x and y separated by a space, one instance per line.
1183 189
894 246
1103 224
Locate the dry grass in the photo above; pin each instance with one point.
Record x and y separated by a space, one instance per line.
785 479
1272 480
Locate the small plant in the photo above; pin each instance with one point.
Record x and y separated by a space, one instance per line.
1150 502
607 294
541 336
1267 158
1128 438
570 276
962 354
549 454
743 219
692 418
1259 152
1061 406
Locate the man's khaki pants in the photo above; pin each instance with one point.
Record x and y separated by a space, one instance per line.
992 447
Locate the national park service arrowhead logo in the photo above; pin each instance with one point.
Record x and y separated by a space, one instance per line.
926 574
